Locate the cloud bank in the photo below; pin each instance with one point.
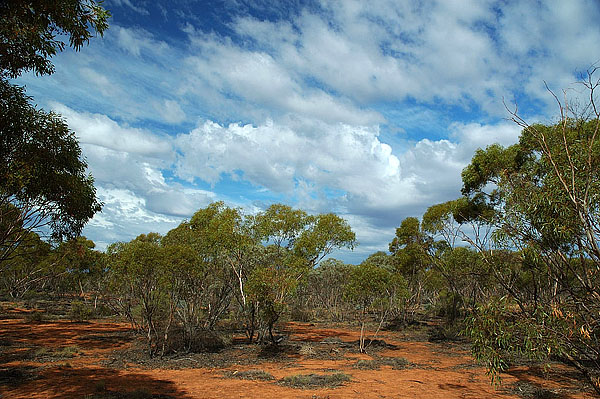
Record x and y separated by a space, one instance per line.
370 110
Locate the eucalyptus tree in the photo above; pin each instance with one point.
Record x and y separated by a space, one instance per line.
294 243
325 288
43 181
409 249
466 278
544 197
372 287
30 268
32 32
222 248
138 272
79 265
44 185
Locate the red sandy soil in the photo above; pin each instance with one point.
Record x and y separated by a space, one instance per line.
440 371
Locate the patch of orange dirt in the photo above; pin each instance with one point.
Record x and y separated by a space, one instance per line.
436 370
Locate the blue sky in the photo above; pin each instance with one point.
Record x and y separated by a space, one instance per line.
366 109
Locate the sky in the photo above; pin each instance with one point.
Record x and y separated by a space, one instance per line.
369 109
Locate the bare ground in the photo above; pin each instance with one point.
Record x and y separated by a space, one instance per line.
103 360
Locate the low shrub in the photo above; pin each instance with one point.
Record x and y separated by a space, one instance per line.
47 354
397 363
81 311
137 394
447 332
100 386
363 364
259 375
34 316
307 350
311 381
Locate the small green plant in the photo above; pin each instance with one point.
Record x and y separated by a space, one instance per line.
397 363
42 352
100 386
307 350
137 394
447 332
34 317
67 351
81 311
311 381
259 375
363 364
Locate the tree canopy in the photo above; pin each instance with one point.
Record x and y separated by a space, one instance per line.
44 186
32 32
541 198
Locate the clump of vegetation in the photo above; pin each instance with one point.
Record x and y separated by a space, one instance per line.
137 394
397 363
311 381
529 390
307 350
80 311
253 375
66 352
447 332
34 316
363 364
100 386
17 375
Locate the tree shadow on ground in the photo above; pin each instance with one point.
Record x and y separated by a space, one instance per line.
68 382
559 381
96 334
310 332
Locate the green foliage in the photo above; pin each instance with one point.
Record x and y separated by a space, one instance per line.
369 285
29 265
268 288
80 268
66 352
271 284
295 243
312 381
500 334
206 252
185 282
81 311
408 233
138 276
281 224
253 375
373 288
544 193
325 233
396 363
410 259
363 364
32 32
43 179
35 316
325 289
224 247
